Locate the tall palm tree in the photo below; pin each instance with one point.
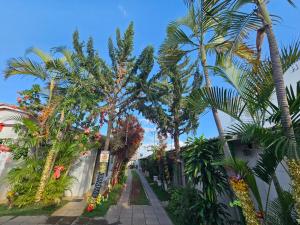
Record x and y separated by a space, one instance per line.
262 13
239 26
248 102
200 37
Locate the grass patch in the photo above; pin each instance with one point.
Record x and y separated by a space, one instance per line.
113 198
27 211
137 194
161 194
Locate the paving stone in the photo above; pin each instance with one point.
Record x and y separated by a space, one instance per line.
138 215
151 215
54 219
66 220
125 220
4 219
151 221
81 220
98 222
27 220
71 209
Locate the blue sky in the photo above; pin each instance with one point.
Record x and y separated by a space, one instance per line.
50 23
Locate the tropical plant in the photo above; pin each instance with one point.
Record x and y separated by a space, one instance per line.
248 101
196 33
190 207
258 19
248 22
64 106
199 157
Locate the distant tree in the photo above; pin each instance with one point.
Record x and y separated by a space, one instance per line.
127 137
166 105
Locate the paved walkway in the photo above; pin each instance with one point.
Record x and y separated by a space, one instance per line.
52 220
126 214
121 214
71 209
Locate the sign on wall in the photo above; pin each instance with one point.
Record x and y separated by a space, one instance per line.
104 156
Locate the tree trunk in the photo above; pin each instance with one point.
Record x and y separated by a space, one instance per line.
108 132
215 113
177 172
103 166
166 171
46 173
286 121
49 163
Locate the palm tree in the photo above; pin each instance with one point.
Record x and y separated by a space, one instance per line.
64 79
201 23
239 24
249 104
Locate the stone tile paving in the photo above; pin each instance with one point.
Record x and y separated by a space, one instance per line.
71 209
126 214
52 220
120 214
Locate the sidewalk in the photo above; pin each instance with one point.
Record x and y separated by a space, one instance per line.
126 214
121 214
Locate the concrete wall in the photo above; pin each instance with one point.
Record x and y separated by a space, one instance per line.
82 171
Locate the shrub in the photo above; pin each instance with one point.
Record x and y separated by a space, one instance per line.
189 207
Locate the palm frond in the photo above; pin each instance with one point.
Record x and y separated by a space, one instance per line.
281 211
239 25
226 100
41 54
289 55
25 66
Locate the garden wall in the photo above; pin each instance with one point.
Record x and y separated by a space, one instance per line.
82 171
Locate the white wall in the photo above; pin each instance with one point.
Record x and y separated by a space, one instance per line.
6 161
291 77
82 171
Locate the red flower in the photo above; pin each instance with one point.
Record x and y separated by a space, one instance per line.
1 126
4 148
19 100
26 97
98 136
87 131
90 208
57 170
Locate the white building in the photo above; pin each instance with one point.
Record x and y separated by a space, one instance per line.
8 115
